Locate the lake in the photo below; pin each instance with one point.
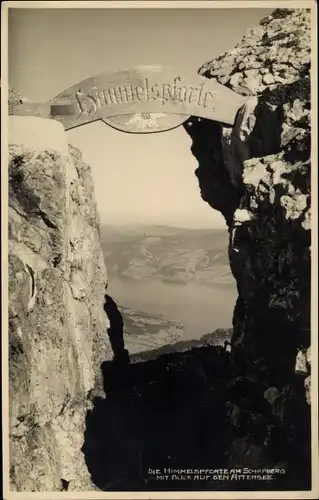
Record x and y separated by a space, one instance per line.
200 308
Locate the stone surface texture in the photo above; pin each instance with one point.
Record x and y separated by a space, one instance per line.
257 175
57 326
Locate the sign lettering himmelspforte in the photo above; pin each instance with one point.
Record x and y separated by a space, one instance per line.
141 99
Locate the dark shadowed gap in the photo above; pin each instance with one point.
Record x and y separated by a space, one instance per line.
166 413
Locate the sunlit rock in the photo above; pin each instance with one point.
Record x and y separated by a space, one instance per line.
56 341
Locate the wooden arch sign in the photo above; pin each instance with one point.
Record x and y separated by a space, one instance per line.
143 99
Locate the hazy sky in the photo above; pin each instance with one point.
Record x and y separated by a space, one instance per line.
138 178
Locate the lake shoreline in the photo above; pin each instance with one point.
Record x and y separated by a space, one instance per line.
199 307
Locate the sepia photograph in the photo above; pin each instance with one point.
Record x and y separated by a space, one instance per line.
159 236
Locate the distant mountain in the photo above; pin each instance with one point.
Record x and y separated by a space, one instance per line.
167 253
216 338
143 331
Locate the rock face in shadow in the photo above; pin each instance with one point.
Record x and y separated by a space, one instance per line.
257 175
57 326
156 414
184 411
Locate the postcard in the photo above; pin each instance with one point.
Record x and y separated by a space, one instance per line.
159 238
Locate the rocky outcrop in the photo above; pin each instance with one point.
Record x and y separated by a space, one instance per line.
258 175
57 326
178 412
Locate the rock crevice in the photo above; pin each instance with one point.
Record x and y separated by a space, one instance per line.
257 174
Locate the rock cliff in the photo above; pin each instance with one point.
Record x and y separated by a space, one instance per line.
257 174
57 327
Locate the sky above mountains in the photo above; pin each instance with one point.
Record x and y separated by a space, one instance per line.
145 179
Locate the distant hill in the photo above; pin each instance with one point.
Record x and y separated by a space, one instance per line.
167 253
143 331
